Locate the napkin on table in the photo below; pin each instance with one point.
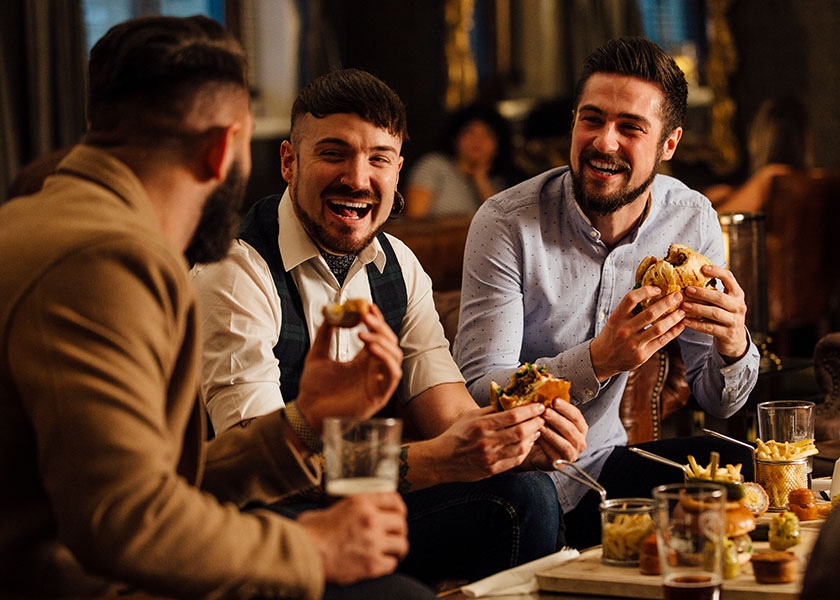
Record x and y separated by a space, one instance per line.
518 580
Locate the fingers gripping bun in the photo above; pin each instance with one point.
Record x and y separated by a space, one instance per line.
678 270
348 314
530 384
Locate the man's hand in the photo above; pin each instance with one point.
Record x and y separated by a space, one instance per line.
360 537
483 442
720 314
628 340
358 388
563 436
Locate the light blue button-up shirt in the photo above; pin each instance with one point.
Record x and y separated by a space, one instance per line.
539 285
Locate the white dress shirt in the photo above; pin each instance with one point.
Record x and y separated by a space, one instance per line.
241 318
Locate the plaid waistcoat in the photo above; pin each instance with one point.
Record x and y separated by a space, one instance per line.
260 229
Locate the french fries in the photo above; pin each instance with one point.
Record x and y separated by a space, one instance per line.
779 479
712 471
784 451
622 536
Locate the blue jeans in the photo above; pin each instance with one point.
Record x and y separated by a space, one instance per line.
472 530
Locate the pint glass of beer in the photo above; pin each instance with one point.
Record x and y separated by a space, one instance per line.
690 531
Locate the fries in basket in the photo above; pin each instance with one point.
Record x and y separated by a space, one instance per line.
622 536
780 468
784 451
712 471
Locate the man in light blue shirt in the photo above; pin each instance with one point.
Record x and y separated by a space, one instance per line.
550 265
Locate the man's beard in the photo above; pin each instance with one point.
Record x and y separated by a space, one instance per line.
219 219
608 204
342 242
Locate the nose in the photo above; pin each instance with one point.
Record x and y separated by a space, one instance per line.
356 174
606 141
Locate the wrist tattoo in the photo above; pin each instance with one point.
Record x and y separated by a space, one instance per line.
404 485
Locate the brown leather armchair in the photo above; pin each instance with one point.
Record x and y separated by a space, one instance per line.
827 423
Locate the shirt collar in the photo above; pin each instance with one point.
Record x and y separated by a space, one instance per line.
296 247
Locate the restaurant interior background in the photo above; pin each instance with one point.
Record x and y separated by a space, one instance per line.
523 55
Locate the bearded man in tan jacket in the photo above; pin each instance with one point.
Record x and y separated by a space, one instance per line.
101 437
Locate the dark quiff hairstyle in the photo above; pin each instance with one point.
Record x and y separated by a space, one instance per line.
352 91
144 75
641 58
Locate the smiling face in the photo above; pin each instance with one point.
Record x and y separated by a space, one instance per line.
342 172
617 143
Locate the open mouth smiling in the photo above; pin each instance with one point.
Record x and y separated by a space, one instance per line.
605 168
349 209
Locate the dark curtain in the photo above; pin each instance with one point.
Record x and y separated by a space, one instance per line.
42 81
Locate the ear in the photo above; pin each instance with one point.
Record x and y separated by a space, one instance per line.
219 151
288 158
670 144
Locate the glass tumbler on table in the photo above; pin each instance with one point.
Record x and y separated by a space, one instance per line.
690 530
361 456
785 421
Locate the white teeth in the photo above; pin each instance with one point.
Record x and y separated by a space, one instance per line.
603 165
350 204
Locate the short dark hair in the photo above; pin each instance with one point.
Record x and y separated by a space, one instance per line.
641 58
144 74
352 91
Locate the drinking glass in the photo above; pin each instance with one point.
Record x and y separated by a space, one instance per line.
786 420
690 530
361 456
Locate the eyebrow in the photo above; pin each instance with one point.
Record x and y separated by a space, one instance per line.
622 115
345 144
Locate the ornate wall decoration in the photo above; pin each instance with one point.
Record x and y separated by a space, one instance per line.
461 70
720 64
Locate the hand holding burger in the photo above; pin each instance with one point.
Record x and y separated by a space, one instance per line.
529 384
721 314
681 268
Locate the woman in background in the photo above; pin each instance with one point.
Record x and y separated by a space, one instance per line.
779 143
474 165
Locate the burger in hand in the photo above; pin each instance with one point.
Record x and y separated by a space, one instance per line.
529 384
678 270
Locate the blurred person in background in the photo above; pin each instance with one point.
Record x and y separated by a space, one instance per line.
474 163
779 143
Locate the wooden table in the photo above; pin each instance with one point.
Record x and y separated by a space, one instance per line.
605 581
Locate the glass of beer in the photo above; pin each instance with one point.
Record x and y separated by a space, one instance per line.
690 529
361 456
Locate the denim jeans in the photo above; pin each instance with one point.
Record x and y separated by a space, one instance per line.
472 530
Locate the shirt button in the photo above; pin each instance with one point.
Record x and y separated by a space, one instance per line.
730 389
593 233
601 316
589 393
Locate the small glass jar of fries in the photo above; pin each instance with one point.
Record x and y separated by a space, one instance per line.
625 522
781 467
